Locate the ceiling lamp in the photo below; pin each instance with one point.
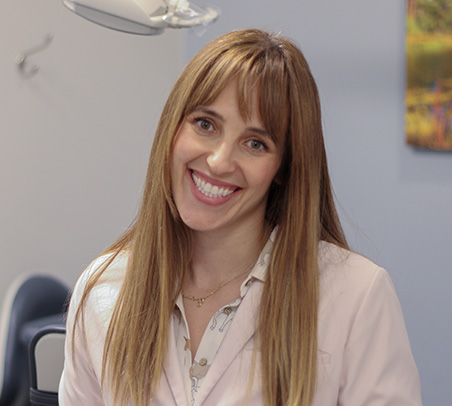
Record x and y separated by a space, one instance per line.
145 17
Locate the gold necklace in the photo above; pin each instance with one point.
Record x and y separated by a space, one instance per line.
201 300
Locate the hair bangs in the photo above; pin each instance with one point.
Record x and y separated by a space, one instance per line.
254 70
210 82
273 101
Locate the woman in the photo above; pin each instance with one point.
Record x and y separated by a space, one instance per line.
234 285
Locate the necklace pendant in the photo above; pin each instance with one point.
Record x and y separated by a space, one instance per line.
200 302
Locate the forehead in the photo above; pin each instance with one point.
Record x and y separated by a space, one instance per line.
230 102
263 89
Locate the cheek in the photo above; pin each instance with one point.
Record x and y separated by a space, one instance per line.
178 149
266 174
273 169
177 163
179 159
185 147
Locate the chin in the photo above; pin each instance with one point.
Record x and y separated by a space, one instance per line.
203 224
200 226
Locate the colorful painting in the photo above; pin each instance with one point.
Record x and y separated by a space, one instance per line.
429 74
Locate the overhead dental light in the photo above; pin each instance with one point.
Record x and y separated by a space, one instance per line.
145 17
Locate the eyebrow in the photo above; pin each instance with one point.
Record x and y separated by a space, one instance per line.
261 131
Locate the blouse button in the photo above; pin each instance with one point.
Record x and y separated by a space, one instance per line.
202 362
227 310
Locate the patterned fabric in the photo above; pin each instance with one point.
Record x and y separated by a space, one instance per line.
194 373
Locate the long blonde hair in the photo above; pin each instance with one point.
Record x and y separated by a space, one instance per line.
300 203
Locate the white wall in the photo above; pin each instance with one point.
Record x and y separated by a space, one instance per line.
74 139
396 202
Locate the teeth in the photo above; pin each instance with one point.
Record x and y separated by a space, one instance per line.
209 190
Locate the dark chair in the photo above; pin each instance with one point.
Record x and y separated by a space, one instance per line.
46 353
32 302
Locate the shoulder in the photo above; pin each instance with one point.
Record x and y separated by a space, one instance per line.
111 278
86 327
103 294
343 271
362 340
354 292
351 284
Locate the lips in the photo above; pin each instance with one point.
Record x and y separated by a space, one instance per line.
212 188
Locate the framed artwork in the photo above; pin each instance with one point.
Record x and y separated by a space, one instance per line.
428 98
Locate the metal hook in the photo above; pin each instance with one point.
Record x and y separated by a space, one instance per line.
21 58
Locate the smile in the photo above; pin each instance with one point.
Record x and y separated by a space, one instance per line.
208 190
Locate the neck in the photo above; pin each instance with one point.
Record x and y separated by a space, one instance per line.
221 255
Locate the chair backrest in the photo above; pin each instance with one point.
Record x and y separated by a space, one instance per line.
29 302
46 353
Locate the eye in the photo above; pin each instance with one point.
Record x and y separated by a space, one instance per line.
256 145
204 124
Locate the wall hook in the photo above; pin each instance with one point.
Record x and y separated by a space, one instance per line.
21 58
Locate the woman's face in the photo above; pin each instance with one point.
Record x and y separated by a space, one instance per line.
222 166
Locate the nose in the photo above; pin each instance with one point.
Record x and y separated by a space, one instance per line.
221 160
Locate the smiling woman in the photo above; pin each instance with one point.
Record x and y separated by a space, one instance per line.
222 167
235 284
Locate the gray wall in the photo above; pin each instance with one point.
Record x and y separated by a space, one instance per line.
395 202
75 138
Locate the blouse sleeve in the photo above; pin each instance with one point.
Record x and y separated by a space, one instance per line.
80 382
378 367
